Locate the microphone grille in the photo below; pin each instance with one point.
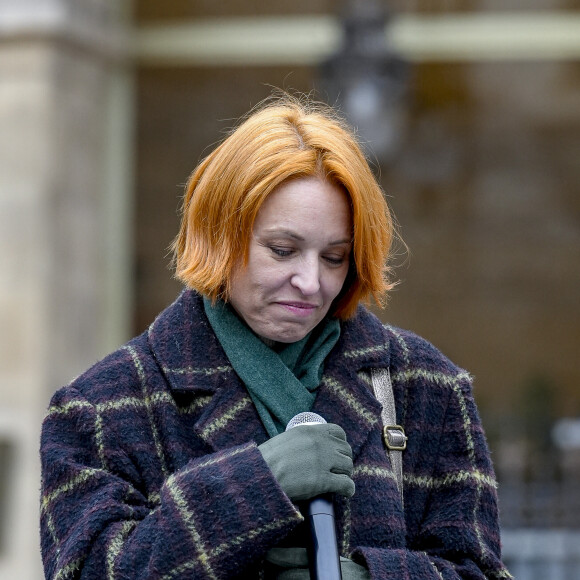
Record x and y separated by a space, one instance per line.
306 418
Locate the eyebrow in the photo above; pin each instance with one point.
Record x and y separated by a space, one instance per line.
295 236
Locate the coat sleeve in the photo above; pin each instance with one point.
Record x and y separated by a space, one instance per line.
210 519
458 534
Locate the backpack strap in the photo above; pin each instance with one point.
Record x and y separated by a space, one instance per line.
393 434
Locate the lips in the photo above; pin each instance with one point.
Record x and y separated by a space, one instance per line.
294 304
299 308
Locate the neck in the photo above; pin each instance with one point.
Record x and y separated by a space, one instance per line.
267 341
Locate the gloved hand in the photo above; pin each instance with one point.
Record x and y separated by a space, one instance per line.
310 460
293 565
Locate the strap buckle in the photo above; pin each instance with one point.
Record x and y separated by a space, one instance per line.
395 438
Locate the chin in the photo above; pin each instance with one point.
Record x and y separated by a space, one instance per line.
288 340
287 336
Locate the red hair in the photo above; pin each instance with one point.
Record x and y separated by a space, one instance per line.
281 140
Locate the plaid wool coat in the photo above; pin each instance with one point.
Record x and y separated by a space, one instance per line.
150 465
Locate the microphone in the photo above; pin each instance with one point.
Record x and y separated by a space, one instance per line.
323 555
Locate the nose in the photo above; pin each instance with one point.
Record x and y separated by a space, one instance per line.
306 278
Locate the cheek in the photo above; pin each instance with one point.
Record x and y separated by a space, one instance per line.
271 273
267 276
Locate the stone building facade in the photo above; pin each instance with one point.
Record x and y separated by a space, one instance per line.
64 194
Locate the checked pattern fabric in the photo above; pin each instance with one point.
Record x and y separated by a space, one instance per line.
150 466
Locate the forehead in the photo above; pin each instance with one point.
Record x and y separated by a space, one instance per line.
304 200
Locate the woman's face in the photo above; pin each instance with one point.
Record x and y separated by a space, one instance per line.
298 259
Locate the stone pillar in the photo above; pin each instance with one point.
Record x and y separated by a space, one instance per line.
65 111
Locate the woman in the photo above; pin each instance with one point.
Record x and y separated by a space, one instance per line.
169 458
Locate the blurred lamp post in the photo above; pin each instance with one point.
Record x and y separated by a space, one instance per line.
566 434
366 80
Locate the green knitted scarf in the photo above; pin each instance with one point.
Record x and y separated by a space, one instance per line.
281 380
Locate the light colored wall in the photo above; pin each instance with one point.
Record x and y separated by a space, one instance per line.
62 199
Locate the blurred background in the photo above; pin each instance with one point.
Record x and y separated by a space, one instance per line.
470 112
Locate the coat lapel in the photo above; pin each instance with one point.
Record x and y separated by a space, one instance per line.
344 397
193 361
231 418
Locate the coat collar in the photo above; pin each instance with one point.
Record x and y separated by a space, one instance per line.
185 347
192 360
344 397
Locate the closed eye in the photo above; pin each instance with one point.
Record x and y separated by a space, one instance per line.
335 261
282 252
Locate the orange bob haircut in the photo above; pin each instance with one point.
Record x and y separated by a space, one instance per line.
284 138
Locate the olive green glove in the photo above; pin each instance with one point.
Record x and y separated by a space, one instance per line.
293 565
310 460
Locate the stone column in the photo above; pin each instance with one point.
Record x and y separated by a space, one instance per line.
65 110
